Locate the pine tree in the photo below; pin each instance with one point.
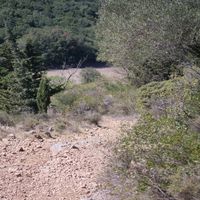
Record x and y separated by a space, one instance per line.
7 99
28 71
20 73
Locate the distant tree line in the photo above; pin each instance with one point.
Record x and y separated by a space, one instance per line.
61 30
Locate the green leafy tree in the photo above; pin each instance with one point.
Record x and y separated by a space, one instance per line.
76 19
162 151
138 35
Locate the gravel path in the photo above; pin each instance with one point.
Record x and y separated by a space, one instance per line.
69 167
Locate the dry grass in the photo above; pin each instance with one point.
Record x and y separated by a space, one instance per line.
111 73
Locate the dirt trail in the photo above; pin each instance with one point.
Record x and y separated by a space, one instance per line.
69 167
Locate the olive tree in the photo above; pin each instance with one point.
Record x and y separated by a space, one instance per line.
149 38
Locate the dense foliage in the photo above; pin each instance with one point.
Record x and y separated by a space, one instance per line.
43 95
6 77
35 35
162 152
21 72
149 39
60 28
158 42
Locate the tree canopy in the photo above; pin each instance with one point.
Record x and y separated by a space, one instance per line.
148 37
75 21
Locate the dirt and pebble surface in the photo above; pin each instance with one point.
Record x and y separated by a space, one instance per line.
69 167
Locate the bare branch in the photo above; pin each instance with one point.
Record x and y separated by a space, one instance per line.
76 69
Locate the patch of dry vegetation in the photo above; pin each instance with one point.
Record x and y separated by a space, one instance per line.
91 100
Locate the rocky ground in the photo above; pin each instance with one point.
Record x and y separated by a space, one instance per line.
69 167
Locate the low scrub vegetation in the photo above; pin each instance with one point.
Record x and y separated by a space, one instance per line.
5 119
85 102
161 153
89 75
91 100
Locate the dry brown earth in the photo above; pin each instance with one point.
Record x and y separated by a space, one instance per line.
69 167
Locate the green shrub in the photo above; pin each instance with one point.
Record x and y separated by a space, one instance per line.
43 95
89 75
78 98
121 97
60 126
162 152
56 81
64 101
161 155
161 94
177 97
93 117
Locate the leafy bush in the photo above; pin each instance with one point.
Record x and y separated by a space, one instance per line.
64 101
83 102
93 117
123 97
77 98
89 75
43 95
56 81
159 98
161 154
149 39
